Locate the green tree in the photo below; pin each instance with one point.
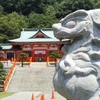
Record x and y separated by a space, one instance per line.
17 14
50 11
55 55
10 26
22 57
1 10
8 5
68 6
97 4
40 20
27 6
2 74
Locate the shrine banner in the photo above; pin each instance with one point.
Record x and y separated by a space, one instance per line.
38 52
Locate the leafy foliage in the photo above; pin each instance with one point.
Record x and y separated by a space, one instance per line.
1 65
18 14
10 26
68 6
2 73
55 54
97 5
40 20
22 57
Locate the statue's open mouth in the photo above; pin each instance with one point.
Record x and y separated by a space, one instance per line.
67 38
66 42
69 41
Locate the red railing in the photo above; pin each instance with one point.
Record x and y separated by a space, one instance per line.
8 77
30 60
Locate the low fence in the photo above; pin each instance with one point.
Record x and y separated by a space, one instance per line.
28 61
50 60
8 77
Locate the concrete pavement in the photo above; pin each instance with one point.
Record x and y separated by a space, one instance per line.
22 96
37 96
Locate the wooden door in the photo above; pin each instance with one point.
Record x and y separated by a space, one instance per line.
40 55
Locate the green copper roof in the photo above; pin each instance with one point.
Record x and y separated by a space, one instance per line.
27 34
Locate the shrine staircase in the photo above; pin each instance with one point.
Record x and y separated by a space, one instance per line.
37 77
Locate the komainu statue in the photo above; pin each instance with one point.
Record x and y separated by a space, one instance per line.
77 75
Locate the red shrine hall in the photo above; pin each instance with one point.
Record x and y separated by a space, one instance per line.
37 43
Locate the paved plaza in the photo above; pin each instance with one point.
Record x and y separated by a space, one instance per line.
37 96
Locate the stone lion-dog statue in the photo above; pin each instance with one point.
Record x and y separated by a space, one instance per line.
77 75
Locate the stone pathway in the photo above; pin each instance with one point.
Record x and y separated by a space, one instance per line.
37 96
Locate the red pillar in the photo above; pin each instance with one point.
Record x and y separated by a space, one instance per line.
22 46
48 46
47 51
58 46
33 56
32 48
15 53
5 55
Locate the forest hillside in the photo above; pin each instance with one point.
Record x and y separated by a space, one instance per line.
18 14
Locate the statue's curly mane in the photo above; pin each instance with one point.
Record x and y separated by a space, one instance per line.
82 56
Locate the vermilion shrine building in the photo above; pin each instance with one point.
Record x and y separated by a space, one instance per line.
37 43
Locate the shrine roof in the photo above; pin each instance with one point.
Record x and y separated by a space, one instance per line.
36 35
6 47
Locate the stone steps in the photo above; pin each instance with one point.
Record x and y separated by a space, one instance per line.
37 77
